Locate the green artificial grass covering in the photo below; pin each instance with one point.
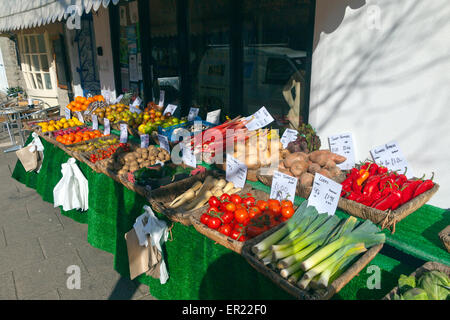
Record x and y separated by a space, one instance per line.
198 268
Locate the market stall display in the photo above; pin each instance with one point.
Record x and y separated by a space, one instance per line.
384 197
307 140
429 282
312 255
55 124
83 104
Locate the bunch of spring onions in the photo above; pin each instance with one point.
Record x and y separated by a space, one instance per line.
311 250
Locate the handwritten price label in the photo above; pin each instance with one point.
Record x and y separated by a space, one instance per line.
136 103
119 98
213 116
189 157
283 186
79 116
123 133
145 139
107 126
259 119
390 156
161 98
288 136
325 194
236 172
170 109
164 142
342 144
193 112
67 113
94 122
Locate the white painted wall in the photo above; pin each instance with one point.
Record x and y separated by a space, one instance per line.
105 62
386 80
72 52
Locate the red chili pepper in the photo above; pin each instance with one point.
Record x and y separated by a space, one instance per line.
373 169
382 170
355 196
376 196
410 188
380 199
424 186
371 186
389 201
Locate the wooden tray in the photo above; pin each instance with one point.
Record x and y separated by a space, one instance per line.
298 293
429 266
215 235
444 235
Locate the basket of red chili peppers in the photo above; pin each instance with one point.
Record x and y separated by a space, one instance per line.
230 220
382 196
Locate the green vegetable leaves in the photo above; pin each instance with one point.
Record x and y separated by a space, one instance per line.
432 282
406 283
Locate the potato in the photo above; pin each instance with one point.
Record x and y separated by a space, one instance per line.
130 157
337 158
313 168
320 159
152 158
146 163
122 171
167 157
281 166
133 164
294 157
284 153
144 156
299 167
325 173
306 180
335 171
134 168
286 171
140 160
330 164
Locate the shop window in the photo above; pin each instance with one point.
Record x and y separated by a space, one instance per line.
278 71
35 60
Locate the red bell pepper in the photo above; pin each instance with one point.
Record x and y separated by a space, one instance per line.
394 197
410 188
424 186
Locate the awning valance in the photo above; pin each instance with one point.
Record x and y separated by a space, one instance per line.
24 14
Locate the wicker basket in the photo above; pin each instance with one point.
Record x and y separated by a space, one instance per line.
386 219
429 266
215 235
444 235
298 293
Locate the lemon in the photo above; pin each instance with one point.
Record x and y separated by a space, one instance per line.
63 120
44 130
51 128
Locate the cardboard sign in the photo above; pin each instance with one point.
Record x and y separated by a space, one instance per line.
325 194
67 113
107 129
259 119
236 172
288 136
123 133
136 103
170 108
79 116
213 116
390 156
164 142
342 144
119 98
189 157
145 139
193 112
283 186
94 122
161 98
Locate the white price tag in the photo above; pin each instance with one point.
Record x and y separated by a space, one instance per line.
259 119
94 122
283 186
145 139
170 108
79 116
325 194
342 144
236 172
107 126
390 156
161 98
193 112
164 142
119 98
123 133
189 157
67 113
288 136
213 116
136 103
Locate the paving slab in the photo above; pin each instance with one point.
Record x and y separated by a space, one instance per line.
41 277
96 260
120 288
13 212
60 243
90 289
2 238
51 295
20 253
7 288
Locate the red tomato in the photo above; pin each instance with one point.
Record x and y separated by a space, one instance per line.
204 218
273 202
241 215
225 229
284 219
214 223
227 217
236 235
253 212
275 208
225 197
236 199
213 209
239 227
250 201
287 212
214 202
253 231
242 238
286 203
262 205
246 222
230 207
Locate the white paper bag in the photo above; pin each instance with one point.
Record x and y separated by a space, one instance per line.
72 190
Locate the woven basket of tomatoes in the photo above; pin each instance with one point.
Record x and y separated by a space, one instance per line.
232 220
382 196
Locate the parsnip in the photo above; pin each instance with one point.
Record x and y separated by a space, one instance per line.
185 196
206 186
234 190
228 187
203 200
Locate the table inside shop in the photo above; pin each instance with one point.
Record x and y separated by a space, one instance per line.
200 269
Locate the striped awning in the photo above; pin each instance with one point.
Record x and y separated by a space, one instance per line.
24 14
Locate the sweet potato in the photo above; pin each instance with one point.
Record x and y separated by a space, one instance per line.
299 167
314 167
295 157
330 164
335 171
337 158
320 157
286 171
325 173
306 180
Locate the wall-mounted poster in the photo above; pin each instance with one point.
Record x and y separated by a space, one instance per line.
134 15
133 68
123 15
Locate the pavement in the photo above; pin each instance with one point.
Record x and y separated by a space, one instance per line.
45 255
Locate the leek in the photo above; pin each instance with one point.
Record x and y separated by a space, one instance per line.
290 225
290 270
297 257
327 250
263 254
295 276
307 219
